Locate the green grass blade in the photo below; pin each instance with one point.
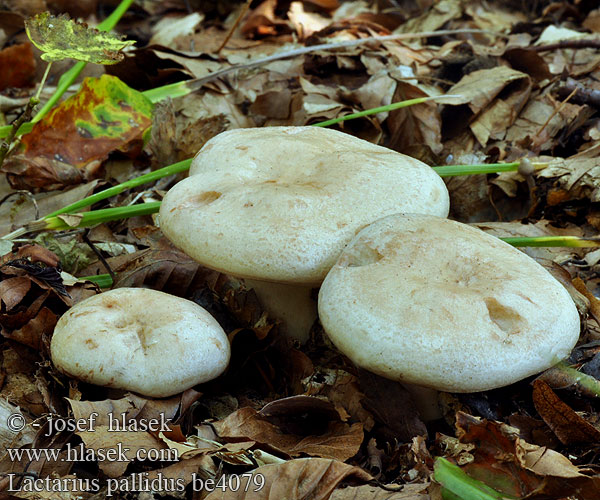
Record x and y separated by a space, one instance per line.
102 280
184 165
487 168
172 90
88 219
181 166
459 484
380 109
553 241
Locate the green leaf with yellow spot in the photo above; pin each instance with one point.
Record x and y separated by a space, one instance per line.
62 38
68 145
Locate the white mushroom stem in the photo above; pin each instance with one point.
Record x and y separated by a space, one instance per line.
290 304
426 401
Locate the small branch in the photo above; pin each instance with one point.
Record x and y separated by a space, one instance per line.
101 258
46 73
579 43
25 117
243 12
582 94
200 82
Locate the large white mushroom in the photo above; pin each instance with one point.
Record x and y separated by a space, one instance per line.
279 204
140 340
430 301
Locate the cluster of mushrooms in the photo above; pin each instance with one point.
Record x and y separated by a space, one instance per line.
404 292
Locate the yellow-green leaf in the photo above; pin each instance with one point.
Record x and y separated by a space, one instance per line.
61 38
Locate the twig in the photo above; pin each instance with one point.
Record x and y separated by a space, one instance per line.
555 112
29 195
243 12
199 82
25 117
583 95
579 43
101 258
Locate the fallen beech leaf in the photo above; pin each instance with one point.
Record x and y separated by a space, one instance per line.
302 415
395 492
300 479
545 462
130 406
262 21
37 253
494 460
568 426
18 66
579 284
414 126
68 145
342 389
340 441
325 4
12 290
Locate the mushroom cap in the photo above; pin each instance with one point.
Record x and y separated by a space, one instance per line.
280 203
140 340
433 302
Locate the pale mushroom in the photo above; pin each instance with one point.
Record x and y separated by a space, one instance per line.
140 340
433 302
279 204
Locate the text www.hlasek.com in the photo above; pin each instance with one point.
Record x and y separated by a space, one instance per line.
80 453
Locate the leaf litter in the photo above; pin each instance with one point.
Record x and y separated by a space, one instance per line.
302 418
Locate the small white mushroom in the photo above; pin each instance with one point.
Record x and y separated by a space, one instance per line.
433 302
140 340
279 204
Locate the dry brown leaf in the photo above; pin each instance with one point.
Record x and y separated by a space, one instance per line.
300 479
12 290
340 441
415 126
568 426
543 461
262 21
395 492
128 407
441 12
37 253
342 389
580 177
579 284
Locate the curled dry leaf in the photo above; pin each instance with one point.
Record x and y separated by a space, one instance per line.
343 390
339 441
33 296
568 426
300 479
